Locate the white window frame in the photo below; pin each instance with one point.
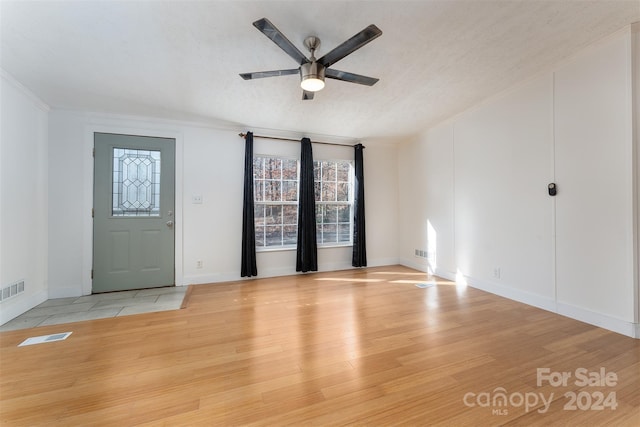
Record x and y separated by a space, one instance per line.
281 203
320 234
322 204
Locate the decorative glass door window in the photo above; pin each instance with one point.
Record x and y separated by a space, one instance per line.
136 182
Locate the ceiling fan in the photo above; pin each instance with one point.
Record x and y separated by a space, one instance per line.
313 71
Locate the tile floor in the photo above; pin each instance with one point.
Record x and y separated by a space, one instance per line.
98 306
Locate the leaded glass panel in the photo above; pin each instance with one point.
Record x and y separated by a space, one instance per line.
136 182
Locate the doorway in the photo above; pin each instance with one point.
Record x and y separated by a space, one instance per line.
133 212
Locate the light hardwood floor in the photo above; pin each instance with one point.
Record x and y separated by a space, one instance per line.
358 347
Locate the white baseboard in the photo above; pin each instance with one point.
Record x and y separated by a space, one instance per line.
601 320
10 309
66 292
445 274
424 267
528 298
577 313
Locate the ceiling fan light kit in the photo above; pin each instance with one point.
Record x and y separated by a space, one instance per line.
312 75
313 71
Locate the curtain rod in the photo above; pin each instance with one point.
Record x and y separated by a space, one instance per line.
242 135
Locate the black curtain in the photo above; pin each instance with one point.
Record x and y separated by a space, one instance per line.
248 267
359 238
307 251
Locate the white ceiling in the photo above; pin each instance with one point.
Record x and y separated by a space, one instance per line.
181 59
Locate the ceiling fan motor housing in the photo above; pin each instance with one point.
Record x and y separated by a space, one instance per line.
312 70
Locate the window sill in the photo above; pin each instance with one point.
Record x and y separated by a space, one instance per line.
293 248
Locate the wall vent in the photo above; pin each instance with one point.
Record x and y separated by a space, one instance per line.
420 253
11 290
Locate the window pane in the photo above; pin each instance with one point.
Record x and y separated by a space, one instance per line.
259 236
328 191
273 235
343 171
344 235
330 214
317 171
258 214
328 171
258 191
319 213
290 236
273 214
329 233
258 167
290 191
272 191
317 187
344 213
343 192
289 169
272 168
290 214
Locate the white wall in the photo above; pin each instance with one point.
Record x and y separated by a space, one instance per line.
486 171
23 197
381 202
635 81
426 194
594 163
209 163
503 213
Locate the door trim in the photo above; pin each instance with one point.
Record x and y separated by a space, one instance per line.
108 124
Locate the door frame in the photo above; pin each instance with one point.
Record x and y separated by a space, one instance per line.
119 126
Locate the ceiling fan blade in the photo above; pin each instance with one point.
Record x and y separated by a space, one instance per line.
306 95
354 43
350 77
274 73
269 30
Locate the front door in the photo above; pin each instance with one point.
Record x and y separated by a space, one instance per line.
133 224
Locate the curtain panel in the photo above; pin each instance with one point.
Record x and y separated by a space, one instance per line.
359 258
248 267
307 250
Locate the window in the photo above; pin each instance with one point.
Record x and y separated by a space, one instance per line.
334 201
275 193
275 182
136 182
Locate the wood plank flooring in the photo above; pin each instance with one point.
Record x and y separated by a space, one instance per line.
357 347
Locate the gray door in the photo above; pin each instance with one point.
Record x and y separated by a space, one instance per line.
133 223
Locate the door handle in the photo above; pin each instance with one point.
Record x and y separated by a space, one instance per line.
169 224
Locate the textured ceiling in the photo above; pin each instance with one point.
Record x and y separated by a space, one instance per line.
181 59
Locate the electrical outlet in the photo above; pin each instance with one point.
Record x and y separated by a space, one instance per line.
199 263
496 272
196 199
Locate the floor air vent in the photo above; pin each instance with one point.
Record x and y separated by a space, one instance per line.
45 338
